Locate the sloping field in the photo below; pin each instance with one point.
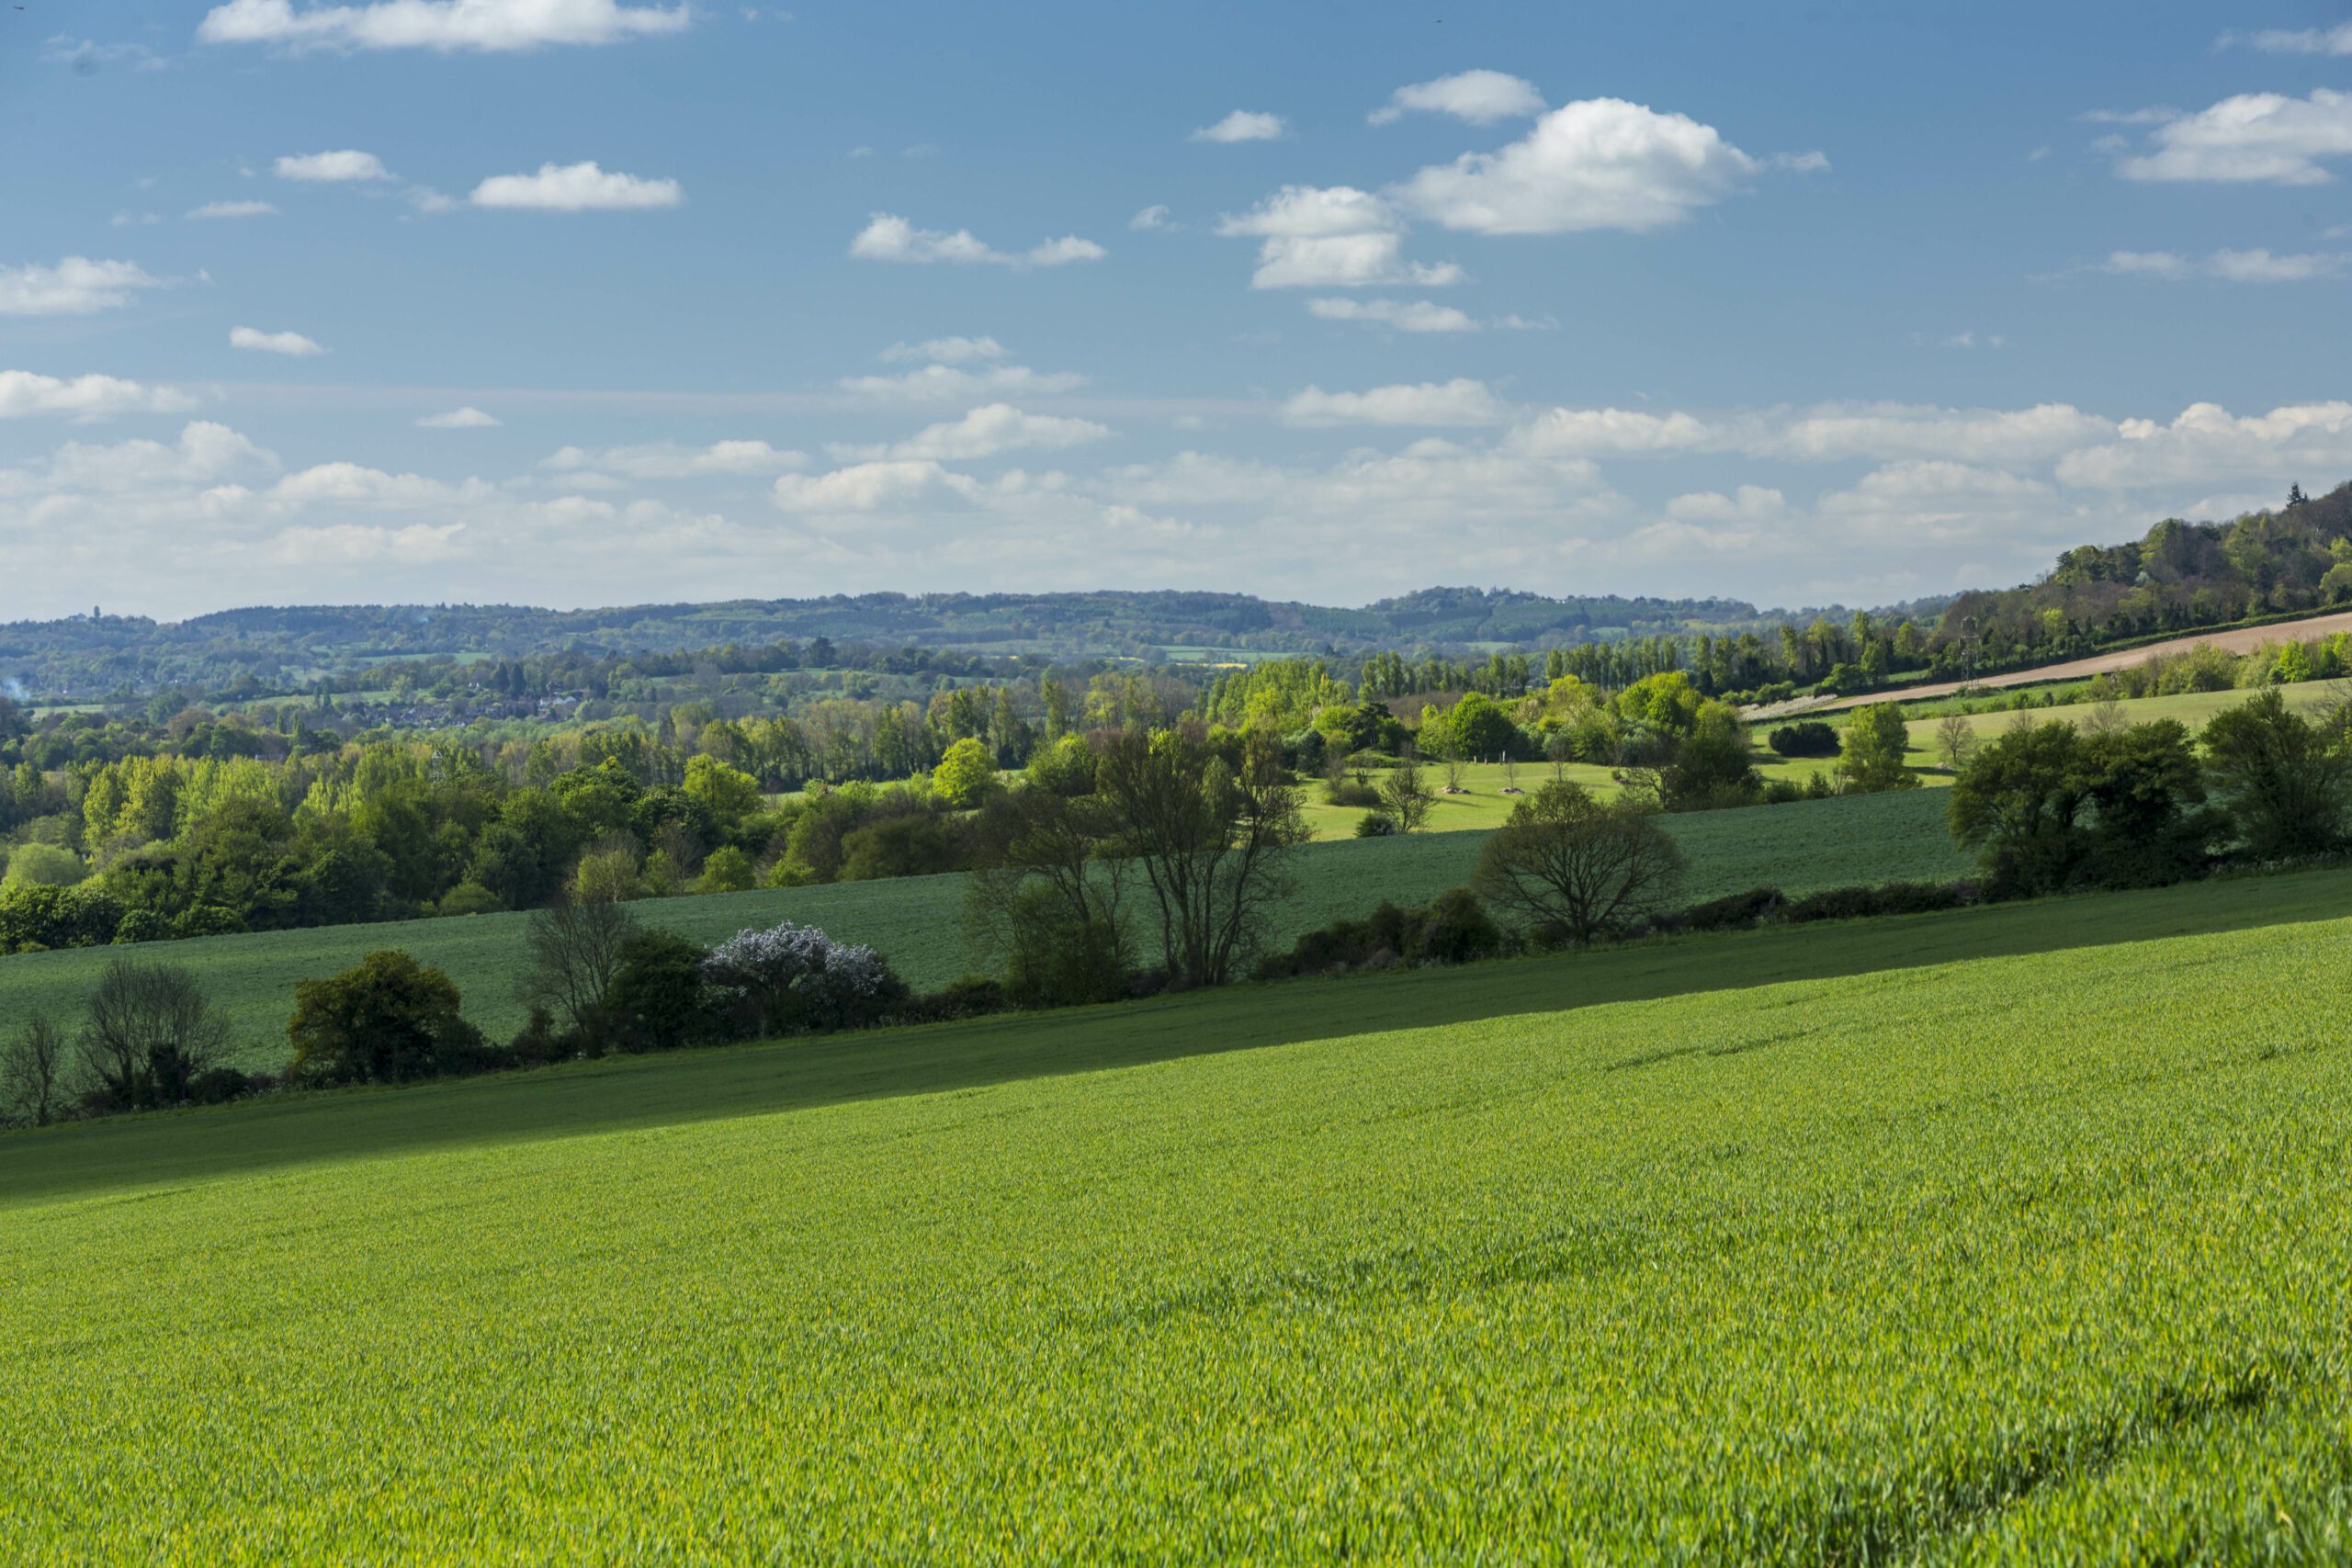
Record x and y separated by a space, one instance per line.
917 922
2034 1250
2243 639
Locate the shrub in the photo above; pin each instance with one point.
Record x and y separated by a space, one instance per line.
386 1020
1376 825
655 1001
1345 791
967 996
1454 928
1734 911
1891 898
795 980
1055 958
1809 738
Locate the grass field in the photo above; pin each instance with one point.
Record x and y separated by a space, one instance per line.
917 922
2014 1233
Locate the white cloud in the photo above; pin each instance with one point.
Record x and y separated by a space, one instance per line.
290 344
1329 237
985 432
87 55
2337 39
424 199
467 418
1455 403
948 383
1242 125
576 187
1748 504
944 351
74 287
1939 501
1594 164
889 238
869 487
359 544
24 393
332 167
1405 315
232 210
445 25
2260 137
666 460
1825 432
1152 217
2256 266
1481 97
2205 444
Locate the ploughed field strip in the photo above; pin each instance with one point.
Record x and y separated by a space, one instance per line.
1858 1254
918 922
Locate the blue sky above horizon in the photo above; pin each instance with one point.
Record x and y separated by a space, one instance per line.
584 303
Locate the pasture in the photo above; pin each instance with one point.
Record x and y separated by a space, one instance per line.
917 922
1905 1239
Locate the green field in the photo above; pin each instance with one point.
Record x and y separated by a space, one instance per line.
917 922
2014 1233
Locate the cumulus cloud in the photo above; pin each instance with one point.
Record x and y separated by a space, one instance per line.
1242 125
443 25
1152 217
293 345
889 238
1455 403
869 487
348 164
1481 97
945 351
467 418
1823 433
83 398
576 187
359 544
1405 315
1329 237
950 383
985 432
77 286
232 210
666 460
2256 265
1594 164
2253 138
2205 444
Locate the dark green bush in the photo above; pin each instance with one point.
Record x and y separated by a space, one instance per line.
1810 738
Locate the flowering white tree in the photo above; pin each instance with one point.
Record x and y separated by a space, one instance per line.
790 979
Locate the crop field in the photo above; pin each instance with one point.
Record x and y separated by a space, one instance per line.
1908 1239
917 922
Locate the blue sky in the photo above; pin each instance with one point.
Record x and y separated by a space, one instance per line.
584 301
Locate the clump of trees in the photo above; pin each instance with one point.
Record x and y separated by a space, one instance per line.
2049 806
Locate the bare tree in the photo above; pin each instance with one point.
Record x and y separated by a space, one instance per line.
1956 739
1405 794
1449 752
1212 842
1566 861
1510 773
33 1071
151 1030
1560 750
575 949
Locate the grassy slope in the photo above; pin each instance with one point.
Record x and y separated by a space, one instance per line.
918 922
1841 1257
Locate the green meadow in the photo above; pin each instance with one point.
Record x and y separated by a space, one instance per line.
2010 1234
917 922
